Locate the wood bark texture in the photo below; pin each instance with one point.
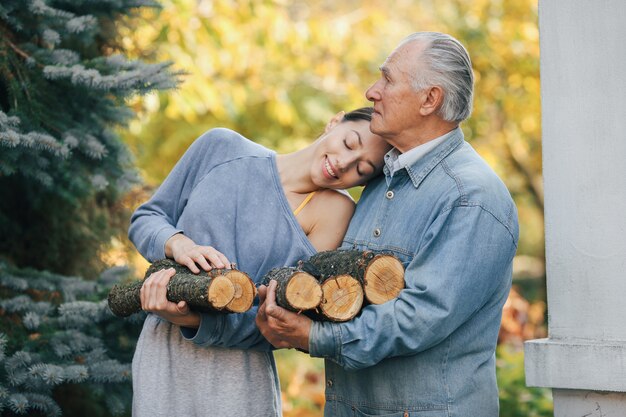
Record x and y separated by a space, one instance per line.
381 274
226 290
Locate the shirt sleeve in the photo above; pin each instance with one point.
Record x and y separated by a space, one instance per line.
466 256
237 331
154 222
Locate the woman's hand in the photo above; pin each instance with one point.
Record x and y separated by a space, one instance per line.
153 295
185 252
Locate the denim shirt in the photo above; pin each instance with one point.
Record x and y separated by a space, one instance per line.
431 351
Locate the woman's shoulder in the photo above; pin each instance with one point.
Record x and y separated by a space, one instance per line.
336 199
330 216
230 144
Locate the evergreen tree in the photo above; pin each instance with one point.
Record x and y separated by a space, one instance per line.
64 89
63 92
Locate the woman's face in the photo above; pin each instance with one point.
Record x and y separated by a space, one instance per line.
348 155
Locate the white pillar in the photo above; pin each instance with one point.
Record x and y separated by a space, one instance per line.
583 82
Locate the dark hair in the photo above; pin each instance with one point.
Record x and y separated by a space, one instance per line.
364 113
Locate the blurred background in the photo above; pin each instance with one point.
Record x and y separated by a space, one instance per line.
276 71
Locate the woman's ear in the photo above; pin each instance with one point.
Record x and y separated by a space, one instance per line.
336 119
433 98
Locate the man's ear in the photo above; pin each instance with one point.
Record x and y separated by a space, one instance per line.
335 119
432 100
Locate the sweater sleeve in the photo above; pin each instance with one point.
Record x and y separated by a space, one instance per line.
155 221
237 331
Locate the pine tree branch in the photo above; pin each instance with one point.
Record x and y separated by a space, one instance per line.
18 50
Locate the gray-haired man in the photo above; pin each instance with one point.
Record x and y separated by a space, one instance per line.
449 218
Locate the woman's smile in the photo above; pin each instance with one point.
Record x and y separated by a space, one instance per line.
329 170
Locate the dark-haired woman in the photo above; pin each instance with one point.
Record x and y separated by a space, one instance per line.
230 200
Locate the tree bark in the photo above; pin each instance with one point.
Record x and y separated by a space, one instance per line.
382 275
227 290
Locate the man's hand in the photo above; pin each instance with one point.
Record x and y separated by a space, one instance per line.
153 295
282 328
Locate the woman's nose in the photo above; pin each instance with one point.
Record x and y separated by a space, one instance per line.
347 161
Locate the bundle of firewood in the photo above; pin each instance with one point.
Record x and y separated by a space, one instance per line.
332 285
226 290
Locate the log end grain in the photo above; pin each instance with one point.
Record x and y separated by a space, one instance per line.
245 291
220 292
303 291
383 279
342 298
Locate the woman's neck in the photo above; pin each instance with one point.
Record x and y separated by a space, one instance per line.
294 170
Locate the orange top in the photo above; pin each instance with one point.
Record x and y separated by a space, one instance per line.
304 203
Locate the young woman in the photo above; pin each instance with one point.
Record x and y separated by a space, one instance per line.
230 200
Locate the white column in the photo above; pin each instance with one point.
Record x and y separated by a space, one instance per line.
583 82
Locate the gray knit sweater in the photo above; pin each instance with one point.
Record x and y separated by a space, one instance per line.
224 192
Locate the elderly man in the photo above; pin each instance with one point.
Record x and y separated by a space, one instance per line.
451 221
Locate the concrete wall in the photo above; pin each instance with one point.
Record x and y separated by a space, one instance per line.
583 81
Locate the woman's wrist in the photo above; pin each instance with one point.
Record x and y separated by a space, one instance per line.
173 242
192 320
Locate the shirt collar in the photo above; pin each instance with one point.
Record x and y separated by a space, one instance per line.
396 160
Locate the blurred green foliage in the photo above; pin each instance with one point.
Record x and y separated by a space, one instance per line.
516 399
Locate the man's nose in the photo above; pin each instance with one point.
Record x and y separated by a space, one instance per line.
373 93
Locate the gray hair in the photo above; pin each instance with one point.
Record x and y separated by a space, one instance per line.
446 64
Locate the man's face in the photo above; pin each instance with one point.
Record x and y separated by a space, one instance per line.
396 103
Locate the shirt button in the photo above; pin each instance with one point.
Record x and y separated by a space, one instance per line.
389 194
376 232
330 382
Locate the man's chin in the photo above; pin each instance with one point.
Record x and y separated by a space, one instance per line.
375 128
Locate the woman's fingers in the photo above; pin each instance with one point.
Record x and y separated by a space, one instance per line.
189 263
201 260
153 293
207 257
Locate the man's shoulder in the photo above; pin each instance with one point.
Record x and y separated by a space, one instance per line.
477 184
473 175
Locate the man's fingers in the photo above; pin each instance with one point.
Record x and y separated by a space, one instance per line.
270 298
262 290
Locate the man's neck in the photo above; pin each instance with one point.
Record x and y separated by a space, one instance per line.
427 132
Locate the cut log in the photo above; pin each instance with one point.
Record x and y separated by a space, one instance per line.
202 293
342 298
381 274
245 291
225 290
296 290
